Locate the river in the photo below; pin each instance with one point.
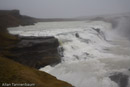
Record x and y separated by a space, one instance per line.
91 51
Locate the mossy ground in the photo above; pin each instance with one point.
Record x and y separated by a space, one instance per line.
13 72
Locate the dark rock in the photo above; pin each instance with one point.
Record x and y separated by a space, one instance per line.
77 57
26 20
96 29
120 79
77 35
10 12
36 51
100 33
86 53
13 18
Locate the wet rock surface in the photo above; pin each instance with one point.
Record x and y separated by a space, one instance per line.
120 78
36 51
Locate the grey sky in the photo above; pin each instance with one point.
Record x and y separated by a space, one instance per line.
66 8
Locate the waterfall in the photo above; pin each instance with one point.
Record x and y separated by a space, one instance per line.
91 51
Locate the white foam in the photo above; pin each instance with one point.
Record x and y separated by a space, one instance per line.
89 58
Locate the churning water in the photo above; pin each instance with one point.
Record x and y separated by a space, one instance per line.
92 51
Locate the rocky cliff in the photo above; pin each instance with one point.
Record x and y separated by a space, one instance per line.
13 18
34 52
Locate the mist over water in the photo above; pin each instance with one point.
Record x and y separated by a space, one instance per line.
124 26
92 50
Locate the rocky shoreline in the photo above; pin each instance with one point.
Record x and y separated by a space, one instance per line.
22 54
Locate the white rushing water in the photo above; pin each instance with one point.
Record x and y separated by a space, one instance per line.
90 56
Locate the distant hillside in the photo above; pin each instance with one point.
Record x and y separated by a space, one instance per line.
12 18
110 18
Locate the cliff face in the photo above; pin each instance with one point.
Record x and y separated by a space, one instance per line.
31 51
12 18
36 52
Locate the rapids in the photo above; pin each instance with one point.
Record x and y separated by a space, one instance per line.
91 51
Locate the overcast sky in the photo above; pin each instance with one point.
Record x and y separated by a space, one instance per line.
66 8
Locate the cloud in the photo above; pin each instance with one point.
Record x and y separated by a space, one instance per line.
66 8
